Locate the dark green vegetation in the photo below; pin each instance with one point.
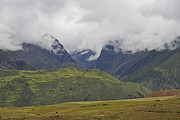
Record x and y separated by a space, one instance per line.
156 70
157 108
159 71
43 87
9 60
74 65
45 59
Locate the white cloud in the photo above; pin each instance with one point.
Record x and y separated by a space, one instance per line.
7 38
83 24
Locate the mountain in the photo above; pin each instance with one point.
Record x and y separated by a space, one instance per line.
156 70
9 60
82 57
110 59
43 87
45 59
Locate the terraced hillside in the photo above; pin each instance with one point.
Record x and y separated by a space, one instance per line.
43 87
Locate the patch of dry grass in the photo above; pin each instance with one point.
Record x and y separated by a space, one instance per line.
156 108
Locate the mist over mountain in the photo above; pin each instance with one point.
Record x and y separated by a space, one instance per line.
89 53
83 57
83 24
42 58
155 69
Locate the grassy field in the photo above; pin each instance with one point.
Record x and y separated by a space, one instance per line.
154 108
165 93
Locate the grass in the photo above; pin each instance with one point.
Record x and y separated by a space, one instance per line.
44 87
156 108
165 93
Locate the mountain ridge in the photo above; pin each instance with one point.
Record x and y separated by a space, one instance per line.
9 60
42 58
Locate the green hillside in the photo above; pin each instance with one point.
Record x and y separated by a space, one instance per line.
161 73
43 87
156 108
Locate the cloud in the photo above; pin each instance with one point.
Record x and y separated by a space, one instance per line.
168 9
89 24
7 38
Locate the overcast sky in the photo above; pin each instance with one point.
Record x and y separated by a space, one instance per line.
83 24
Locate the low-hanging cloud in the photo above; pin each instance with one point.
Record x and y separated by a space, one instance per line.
89 24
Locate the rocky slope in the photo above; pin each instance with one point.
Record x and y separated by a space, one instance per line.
42 58
9 60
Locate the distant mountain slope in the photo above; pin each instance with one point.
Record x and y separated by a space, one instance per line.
82 57
156 70
161 72
9 60
44 59
111 60
25 88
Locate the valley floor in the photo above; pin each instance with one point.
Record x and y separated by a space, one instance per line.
154 108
